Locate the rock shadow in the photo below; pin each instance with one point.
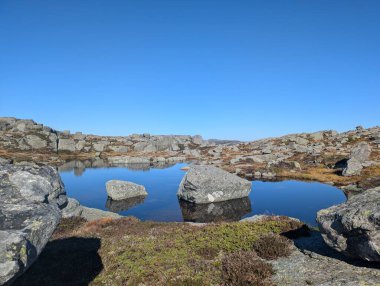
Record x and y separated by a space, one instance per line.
123 205
314 243
69 261
231 210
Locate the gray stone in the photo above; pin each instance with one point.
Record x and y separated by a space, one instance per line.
30 202
361 152
359 155
35 141
312 262
121 190
268 175
197 139
317 136
72 209
100 145
91 214
353 228
207 184
66 145
144 147
119 149
4 161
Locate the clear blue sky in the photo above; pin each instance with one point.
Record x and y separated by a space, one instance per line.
224 69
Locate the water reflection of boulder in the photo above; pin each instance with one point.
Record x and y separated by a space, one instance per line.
79 166
123 205
232 210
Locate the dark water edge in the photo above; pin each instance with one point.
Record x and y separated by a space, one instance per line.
296 199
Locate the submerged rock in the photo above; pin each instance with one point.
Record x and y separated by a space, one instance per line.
353 228
121 190
30 202
208 184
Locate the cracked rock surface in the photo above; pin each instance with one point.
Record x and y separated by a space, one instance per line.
353 228
30 201
313 263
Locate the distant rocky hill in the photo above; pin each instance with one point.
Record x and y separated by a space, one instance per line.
326 156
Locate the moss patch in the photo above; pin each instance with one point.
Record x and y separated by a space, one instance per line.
153 253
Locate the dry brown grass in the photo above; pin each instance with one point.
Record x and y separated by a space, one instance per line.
320 174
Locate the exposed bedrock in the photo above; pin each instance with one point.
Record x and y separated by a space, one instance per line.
353 228
30 201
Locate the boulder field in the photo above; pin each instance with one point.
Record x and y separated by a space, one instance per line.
32 196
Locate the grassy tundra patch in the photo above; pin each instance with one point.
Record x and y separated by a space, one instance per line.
132 252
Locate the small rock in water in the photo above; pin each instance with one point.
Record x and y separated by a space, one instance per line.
121 190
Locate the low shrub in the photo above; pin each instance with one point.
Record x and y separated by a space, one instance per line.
245 268
272 246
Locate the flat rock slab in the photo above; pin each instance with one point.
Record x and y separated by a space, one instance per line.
313 263
208 184
30 202
121 190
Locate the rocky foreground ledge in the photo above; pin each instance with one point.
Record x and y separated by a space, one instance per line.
30 202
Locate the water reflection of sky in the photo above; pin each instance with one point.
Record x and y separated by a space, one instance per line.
291 198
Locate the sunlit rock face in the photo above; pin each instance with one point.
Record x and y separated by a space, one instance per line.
30 201
208 184
121 190
353 228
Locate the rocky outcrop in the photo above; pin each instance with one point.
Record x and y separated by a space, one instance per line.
30 201
208 184
122 190
353 228
359 155
27 135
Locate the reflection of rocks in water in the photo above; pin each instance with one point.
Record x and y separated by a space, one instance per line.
79 167
123 205
232 210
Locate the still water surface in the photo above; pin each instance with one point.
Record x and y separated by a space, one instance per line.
297 199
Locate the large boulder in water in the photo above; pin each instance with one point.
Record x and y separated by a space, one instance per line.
208 184
121 190
353 228
30 201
